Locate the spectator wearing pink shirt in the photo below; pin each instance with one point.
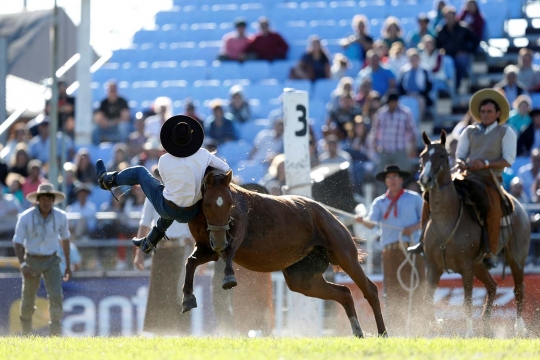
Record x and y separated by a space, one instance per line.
267 44
234 43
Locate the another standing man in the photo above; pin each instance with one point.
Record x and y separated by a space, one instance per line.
397 209
36 245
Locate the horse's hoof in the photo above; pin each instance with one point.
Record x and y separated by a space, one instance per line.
189 303
229 282
358 334
384 335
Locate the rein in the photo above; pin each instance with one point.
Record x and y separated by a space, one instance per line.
449 238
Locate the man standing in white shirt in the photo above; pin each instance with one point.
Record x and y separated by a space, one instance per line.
164 315
182 171
37 233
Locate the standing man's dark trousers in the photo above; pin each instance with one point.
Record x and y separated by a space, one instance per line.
397 299
49 268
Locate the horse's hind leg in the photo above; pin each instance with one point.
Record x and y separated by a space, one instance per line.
519 292
311 283
348 261
491 286
200 256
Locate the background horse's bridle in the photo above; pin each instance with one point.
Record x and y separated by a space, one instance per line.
211 227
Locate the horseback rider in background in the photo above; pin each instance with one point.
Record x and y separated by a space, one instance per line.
484 149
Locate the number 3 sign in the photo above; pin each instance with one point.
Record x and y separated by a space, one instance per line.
296 142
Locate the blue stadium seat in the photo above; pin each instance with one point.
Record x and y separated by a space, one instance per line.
249 130
234 151
250 171
535 97
102 151
519 162
256 70
282 68
372 10
99 197
322 88
263 91
225 70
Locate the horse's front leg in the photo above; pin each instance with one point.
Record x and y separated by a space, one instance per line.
200 256
229 280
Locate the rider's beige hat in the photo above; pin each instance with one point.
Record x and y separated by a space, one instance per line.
492 94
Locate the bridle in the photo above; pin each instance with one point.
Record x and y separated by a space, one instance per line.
212 227
439 169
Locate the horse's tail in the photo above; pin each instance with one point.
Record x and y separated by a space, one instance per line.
360 253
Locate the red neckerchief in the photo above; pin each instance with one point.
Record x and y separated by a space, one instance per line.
393 203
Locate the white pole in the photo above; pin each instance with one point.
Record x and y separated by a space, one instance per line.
83 110
304 314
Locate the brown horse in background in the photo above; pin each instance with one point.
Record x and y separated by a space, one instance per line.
453 238
267 233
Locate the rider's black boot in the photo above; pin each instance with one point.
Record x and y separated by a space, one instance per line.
148 243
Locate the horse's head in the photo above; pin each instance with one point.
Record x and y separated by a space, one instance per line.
433 160
216 204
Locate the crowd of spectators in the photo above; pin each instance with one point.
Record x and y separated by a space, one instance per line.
366 124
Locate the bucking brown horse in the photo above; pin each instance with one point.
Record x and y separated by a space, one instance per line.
267 233
453 238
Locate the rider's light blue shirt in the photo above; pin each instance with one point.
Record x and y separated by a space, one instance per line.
409 212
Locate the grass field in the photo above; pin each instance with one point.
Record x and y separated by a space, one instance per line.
268 348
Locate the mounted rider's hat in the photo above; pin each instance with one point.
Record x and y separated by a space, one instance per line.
491 94
181 136
389 169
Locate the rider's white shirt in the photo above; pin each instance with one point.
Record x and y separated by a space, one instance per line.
183 177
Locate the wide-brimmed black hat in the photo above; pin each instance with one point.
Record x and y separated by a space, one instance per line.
181 136
388 169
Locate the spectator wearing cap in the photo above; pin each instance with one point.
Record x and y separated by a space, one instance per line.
510 85
415 81
163 110
190 110
519 118
238 106
14 184
314 63
471 16
220 125
112 118
34 178
340 67
415 37
391 31
234 43
393 133
530 138
358 44
40 144
267 44
382 78
19 160
344 87
458 42
340 120
86 171
529 73
268 143
87 223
